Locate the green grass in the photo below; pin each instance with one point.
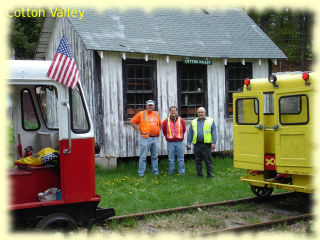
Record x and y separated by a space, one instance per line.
11 147
10 135
126 223
244 207
251 220
123 190
30 125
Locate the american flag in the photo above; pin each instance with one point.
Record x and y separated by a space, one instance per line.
63 68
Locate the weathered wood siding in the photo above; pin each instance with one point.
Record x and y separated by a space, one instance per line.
105 98
217 101
89 72
120 138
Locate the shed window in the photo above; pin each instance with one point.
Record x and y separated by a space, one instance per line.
139 85
192 85
235 75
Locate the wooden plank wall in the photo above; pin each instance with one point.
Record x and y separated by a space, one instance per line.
85 62
83 57
118 138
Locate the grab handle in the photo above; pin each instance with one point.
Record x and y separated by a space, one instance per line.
67 151
274 127
259 126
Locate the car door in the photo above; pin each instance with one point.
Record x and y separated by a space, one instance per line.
77 160
248 134
293 138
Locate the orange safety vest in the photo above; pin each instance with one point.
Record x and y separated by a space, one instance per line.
174 130
145 126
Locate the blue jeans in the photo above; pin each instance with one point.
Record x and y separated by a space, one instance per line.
173 149
147 144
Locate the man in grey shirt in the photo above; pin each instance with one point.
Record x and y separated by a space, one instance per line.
202 133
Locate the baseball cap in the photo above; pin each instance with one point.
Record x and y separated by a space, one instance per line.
150 102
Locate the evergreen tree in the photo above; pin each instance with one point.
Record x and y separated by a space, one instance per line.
291 32
24 36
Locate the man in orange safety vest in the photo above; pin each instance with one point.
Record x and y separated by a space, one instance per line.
148 124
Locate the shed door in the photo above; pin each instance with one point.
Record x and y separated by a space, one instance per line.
248 134
293 138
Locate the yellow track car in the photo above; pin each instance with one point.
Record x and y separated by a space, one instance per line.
272 132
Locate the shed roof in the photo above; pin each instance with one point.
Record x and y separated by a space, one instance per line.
219 34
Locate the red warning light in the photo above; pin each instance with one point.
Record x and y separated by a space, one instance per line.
305 76
247 81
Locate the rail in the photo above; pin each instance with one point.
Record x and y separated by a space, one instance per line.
288 220
204 205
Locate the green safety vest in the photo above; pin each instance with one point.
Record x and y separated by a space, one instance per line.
206 130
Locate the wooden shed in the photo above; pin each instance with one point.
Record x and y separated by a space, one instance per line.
183 58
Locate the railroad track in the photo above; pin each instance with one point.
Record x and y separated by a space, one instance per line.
204 205
226 216
263 225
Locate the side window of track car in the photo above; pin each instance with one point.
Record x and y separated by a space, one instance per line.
30 119
294 109
247 111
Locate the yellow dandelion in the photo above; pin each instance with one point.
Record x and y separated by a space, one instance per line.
130 193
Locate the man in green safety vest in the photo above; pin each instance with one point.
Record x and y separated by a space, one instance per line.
202 133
